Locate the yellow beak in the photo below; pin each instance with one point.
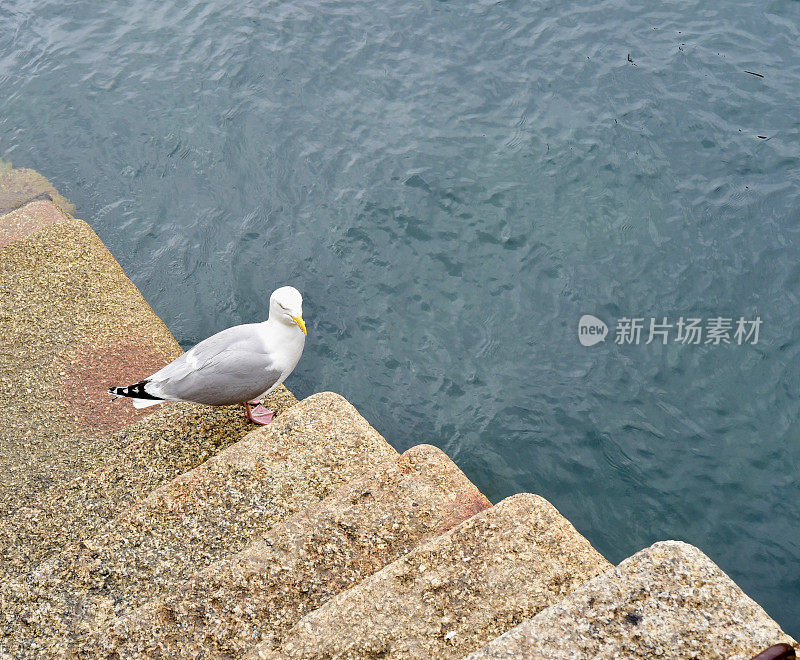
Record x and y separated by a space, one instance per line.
300 323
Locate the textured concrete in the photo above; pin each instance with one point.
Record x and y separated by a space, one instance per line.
187 524
137 460
262 591
20 186
455 592
73 324
667 601
29 220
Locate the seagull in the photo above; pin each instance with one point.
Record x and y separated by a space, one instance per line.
239 365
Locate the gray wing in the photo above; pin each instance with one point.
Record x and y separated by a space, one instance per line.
229 367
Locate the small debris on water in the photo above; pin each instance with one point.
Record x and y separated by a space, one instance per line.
753 73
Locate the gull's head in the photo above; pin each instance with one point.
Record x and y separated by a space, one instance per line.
286 306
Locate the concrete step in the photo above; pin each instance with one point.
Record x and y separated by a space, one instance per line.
20 186
189 523
455 592
262 591
73 324
667 601
140 458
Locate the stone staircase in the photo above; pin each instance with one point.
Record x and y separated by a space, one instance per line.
260 592
453 593
183 532
666 601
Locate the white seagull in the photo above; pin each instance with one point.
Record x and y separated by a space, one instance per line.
239 365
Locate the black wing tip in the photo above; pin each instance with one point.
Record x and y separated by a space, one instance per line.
135 391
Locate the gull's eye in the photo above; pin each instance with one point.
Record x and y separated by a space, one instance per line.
282 307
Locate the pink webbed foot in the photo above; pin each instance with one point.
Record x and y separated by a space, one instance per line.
257 413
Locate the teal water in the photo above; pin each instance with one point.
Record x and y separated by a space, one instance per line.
452 186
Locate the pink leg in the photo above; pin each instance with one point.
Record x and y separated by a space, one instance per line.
258 414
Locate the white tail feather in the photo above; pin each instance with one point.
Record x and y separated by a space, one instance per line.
145 403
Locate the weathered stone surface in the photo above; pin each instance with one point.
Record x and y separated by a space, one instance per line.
455 592
138 459
667 601
20 186
187 524
28 220
73 324
265 589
